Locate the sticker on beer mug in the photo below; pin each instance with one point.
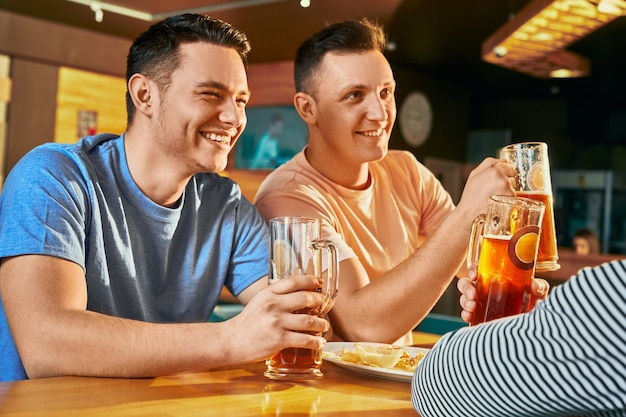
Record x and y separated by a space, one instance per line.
523 247
535 177
284 259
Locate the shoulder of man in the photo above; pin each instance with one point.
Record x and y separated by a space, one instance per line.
287 174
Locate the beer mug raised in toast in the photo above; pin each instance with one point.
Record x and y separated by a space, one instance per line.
532 177
504 243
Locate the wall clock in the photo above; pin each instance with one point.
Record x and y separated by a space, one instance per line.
416 118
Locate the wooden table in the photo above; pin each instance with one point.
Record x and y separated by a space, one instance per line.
236 392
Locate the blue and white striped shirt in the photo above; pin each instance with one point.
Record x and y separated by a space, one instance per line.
567 357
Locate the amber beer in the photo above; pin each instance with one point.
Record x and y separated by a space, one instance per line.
548 253
503 288
296 358
532 180
294 361
504 244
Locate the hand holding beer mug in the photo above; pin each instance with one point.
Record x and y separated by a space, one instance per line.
295 250
504 242
532 178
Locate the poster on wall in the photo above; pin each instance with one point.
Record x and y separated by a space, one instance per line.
273 135
87 123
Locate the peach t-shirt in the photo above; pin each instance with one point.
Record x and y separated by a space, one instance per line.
381 225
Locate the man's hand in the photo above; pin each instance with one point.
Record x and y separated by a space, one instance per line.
491 177
467 286
270 321
539 289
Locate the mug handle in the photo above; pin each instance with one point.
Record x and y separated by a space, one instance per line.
331 287
475 242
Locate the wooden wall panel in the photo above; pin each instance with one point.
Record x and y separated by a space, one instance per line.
32 108
54 43
83 90
271 84
5 97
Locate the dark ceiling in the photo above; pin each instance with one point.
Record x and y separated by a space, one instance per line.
441 39
274 27
446 41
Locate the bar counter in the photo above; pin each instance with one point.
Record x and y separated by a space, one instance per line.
241 391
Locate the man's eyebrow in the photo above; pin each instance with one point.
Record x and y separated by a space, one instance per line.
353 87
219 86
390 83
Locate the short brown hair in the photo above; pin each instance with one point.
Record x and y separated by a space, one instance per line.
351 36
156 52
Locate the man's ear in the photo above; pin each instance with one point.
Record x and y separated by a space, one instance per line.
142 92
305 105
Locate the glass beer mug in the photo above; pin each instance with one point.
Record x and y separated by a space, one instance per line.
504 242
532 178
295 250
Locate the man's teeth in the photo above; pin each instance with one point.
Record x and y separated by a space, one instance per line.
373 132
217 138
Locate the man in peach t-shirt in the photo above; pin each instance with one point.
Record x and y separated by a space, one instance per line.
378 206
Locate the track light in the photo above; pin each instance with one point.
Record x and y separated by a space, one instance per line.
533 42
99 14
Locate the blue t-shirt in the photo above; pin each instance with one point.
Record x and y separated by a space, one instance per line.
142 261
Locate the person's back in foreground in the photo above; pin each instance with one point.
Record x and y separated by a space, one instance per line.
567 357
114 251
377 206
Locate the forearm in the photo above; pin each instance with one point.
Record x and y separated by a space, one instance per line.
91 344
392 305
45 301
61 338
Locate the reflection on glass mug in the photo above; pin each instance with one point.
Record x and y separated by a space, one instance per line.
504 242
532 177
295 250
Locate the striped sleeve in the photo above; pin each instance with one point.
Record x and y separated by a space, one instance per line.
565 358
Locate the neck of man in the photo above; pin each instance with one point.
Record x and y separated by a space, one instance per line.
153 173
348 174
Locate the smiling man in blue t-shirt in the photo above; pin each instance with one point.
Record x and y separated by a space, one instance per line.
114 250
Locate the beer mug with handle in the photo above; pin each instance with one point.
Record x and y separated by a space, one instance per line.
504 242
532 178
296 250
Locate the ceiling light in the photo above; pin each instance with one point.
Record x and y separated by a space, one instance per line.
305 3
99 14
533 41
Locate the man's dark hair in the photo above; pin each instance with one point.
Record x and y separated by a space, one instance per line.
351 36
156 52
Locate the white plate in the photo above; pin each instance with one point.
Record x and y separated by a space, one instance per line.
334 348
